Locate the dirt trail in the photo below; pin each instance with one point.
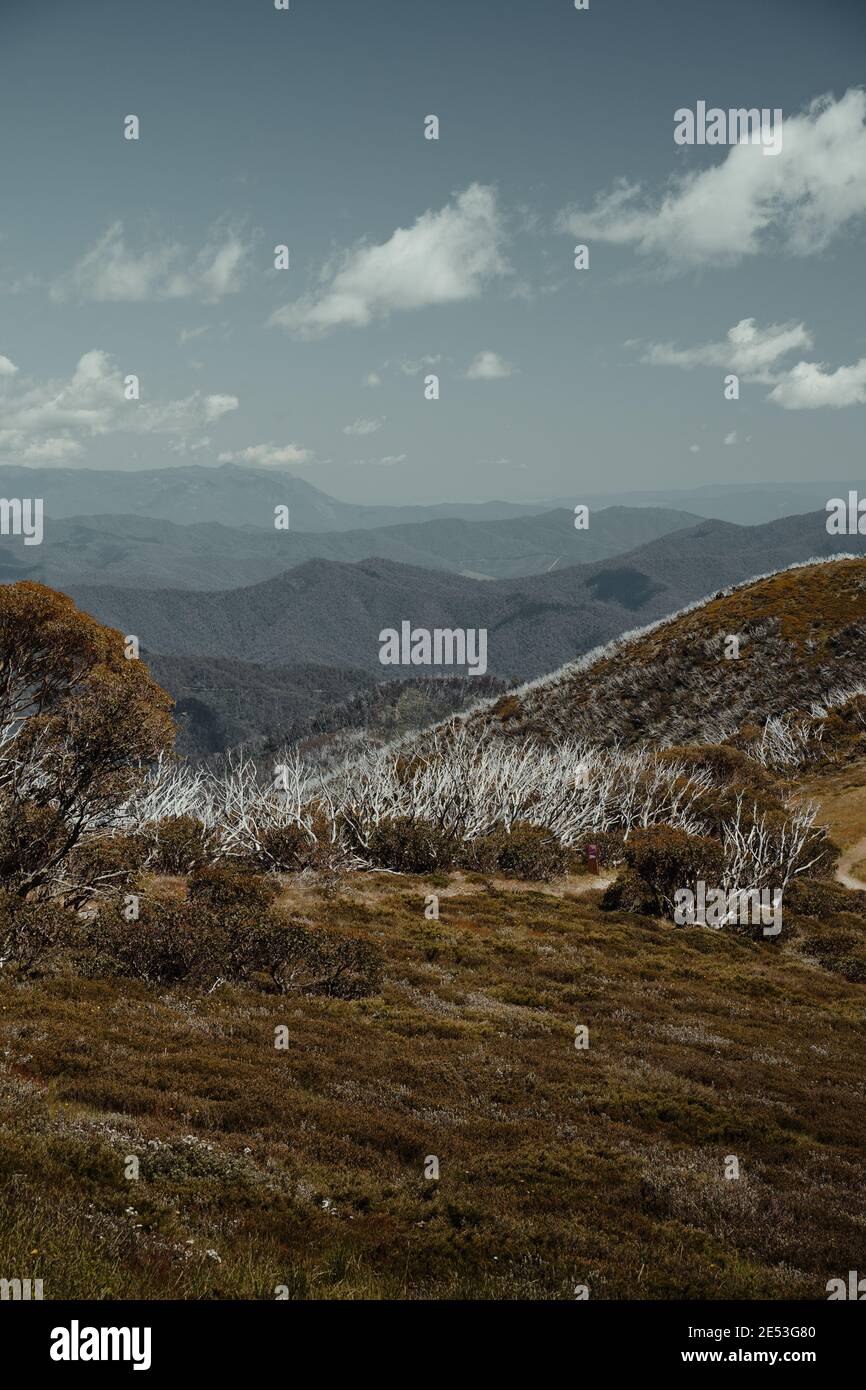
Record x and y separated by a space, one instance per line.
849 857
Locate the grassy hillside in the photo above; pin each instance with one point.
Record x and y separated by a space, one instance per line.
801 634
305 1168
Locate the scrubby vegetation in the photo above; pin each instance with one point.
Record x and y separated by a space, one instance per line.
302 1167
240 975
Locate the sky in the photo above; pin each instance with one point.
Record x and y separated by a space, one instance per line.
154 258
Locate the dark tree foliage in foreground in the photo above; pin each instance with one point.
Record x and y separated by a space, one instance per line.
78 722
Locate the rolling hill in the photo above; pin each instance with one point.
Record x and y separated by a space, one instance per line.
131 551
801 634
329 613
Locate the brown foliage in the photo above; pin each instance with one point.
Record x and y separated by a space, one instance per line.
79 720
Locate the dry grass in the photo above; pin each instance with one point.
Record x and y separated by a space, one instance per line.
304 1168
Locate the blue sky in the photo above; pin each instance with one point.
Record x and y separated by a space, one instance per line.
258 127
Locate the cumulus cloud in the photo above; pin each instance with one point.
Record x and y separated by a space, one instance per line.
111 271
363 427
489 366
798 200
48 420
755 354
811 385
749 351
444 257
7 368
269 455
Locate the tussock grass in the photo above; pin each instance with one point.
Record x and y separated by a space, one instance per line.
304 1168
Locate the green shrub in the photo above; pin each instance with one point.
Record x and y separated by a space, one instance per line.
668 859
168 944
103 864
823 898
286 848
631 893
525 852
30 932
411 846
610 845
31 837
179 845
196 944
226 888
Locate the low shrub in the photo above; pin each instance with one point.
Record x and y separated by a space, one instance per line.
227 888
668 859
631 893
286 848
525 851
411 846
102 864
31 838
610 848
30 932
179 845
197 945
823 898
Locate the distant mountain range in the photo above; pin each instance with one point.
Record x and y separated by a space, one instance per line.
229 495
241 496
746 504
131 551
332 613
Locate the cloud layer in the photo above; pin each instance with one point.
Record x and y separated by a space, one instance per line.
47 421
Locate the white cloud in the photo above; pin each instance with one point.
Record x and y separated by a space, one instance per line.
749 351
810 385
373 379
363 427
7 368
40 420
269 455
798 201
731 439
413 368
694 448
445 257
489 366
112 271
755 354
50 450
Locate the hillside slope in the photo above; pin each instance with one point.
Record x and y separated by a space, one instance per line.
802 634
